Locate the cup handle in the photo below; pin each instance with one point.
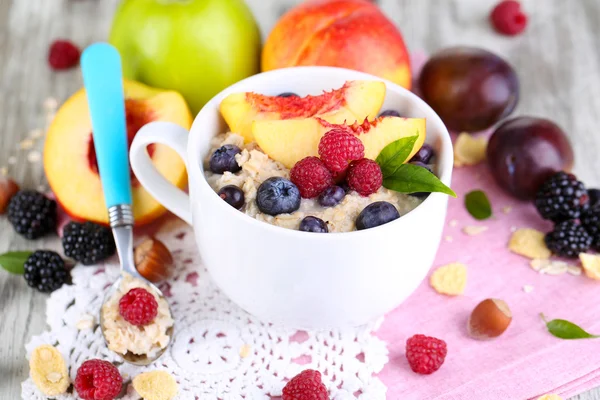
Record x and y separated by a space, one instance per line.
174 136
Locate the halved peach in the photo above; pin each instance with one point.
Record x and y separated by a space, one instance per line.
354 101
70 158
289 141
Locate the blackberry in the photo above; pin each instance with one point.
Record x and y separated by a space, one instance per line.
562 197
45 271
32 214
591 222
568 239
87 243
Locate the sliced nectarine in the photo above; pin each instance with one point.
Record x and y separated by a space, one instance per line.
70 157
355 101
289 141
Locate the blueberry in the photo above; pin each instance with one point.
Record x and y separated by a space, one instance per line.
287 94
390 113
313 224
278 196
594 197
421 195
233 195
223 159
375 214
332 196
424 155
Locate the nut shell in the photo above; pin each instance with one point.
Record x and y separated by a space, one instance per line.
8 188
489 319
153 260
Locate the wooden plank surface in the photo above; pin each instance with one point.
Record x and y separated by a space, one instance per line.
558 61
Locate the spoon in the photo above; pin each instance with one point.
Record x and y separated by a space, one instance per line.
103 81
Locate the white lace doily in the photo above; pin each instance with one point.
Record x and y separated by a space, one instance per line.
219 351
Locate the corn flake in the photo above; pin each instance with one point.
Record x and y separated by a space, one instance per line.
591 265
48 370
449 279
469 150
156 385
529 243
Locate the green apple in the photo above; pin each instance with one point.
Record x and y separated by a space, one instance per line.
197 47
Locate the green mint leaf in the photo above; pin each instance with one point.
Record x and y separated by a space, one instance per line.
409 178
478 205
564 329
14 261
395 154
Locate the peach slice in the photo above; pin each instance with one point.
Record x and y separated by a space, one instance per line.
70 158
354 101
289 141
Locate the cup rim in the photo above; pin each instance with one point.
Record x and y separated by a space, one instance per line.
195 160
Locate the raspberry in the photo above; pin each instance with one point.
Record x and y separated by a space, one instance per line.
562 197
138 307
364 176
507 18
425 354
311 176
63 55
98 380
338 148
306 385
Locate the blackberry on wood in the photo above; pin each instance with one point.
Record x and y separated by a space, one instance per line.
87 243
32 214
45 271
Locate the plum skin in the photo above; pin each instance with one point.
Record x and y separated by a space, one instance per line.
469 88
524 151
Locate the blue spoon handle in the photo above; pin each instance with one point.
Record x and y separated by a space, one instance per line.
103 81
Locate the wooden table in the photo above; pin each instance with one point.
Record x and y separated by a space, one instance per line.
558 61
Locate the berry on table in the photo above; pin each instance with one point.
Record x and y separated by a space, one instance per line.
338 148
507 18
311 176
424 155
332 196
425 354
87 242
313 224
98 380
32 214
45 271
389 113
233 195
223 159
306 385
364 176
375 214
138 307
568 239
562 197
591 222
63 54
278 196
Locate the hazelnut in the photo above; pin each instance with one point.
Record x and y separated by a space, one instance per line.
489 319
8 188
153 260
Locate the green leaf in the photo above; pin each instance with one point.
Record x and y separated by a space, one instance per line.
395 154
14 261
564 329
409 178
478 205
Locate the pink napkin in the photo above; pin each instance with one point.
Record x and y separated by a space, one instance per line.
525 362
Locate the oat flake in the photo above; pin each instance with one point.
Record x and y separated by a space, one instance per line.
453 223
34 156
26 144
506 209
449 238
528 288
12 160
474 230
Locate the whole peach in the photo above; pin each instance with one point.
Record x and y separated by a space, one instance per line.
352 34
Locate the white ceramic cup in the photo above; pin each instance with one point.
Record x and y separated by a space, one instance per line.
299 279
